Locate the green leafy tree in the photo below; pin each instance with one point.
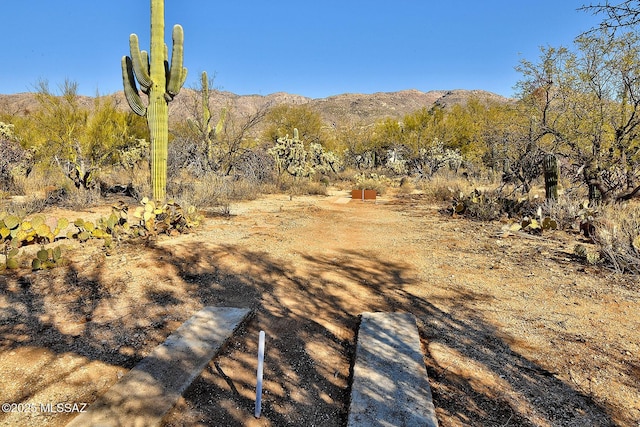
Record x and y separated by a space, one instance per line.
79 139
387 137
585 105
463 128
422 127
283 119
353 141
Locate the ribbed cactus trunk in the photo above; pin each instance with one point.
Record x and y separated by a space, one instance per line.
206 117
158 109
161 83
591 176
159 131
551 177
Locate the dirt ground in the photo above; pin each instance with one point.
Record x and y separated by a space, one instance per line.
515 330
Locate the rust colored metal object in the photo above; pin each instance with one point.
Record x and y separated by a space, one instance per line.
363 194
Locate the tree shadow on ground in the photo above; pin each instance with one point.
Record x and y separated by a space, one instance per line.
54 326
309 310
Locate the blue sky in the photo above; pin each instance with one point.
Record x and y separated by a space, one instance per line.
315 49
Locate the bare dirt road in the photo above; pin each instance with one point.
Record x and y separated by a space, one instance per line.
515 331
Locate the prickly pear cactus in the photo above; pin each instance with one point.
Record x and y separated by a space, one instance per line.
48 258
169 218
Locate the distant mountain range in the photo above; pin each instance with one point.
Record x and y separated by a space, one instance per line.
348 107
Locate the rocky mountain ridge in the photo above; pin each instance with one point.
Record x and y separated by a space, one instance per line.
348 107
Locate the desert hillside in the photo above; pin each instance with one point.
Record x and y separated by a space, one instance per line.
348 107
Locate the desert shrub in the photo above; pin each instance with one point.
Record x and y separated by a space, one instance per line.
41 177
298 187
42 188
14 162
78 140
492 205
238 188
186 155
26 205
256 166
122 181
405 186
567 210
444 185
75 198
212 190
617 236
66 196
430 160
372 181
344 179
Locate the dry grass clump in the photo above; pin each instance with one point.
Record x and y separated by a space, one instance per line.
372 181
78 198
566 211
41 179
617 234
211 190
299 187
406 185
445 185
354 179
48 186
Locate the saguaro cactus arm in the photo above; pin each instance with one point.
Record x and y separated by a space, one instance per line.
140 60
177 73
130 89
206 112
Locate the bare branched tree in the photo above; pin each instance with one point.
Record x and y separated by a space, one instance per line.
234 139
621 15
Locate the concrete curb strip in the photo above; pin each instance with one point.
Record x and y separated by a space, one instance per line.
390 383
147 392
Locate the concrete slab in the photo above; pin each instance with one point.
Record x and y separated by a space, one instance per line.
147 392
342 200
390 383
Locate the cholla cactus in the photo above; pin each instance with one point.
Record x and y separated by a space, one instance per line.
323 161
6 131
437 157
398 166
291 156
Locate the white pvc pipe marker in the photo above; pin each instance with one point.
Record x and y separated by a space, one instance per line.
259 375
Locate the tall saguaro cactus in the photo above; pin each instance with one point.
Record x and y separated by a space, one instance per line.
206 116
161 81
203 125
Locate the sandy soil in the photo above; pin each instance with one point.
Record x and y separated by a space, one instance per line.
515 331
